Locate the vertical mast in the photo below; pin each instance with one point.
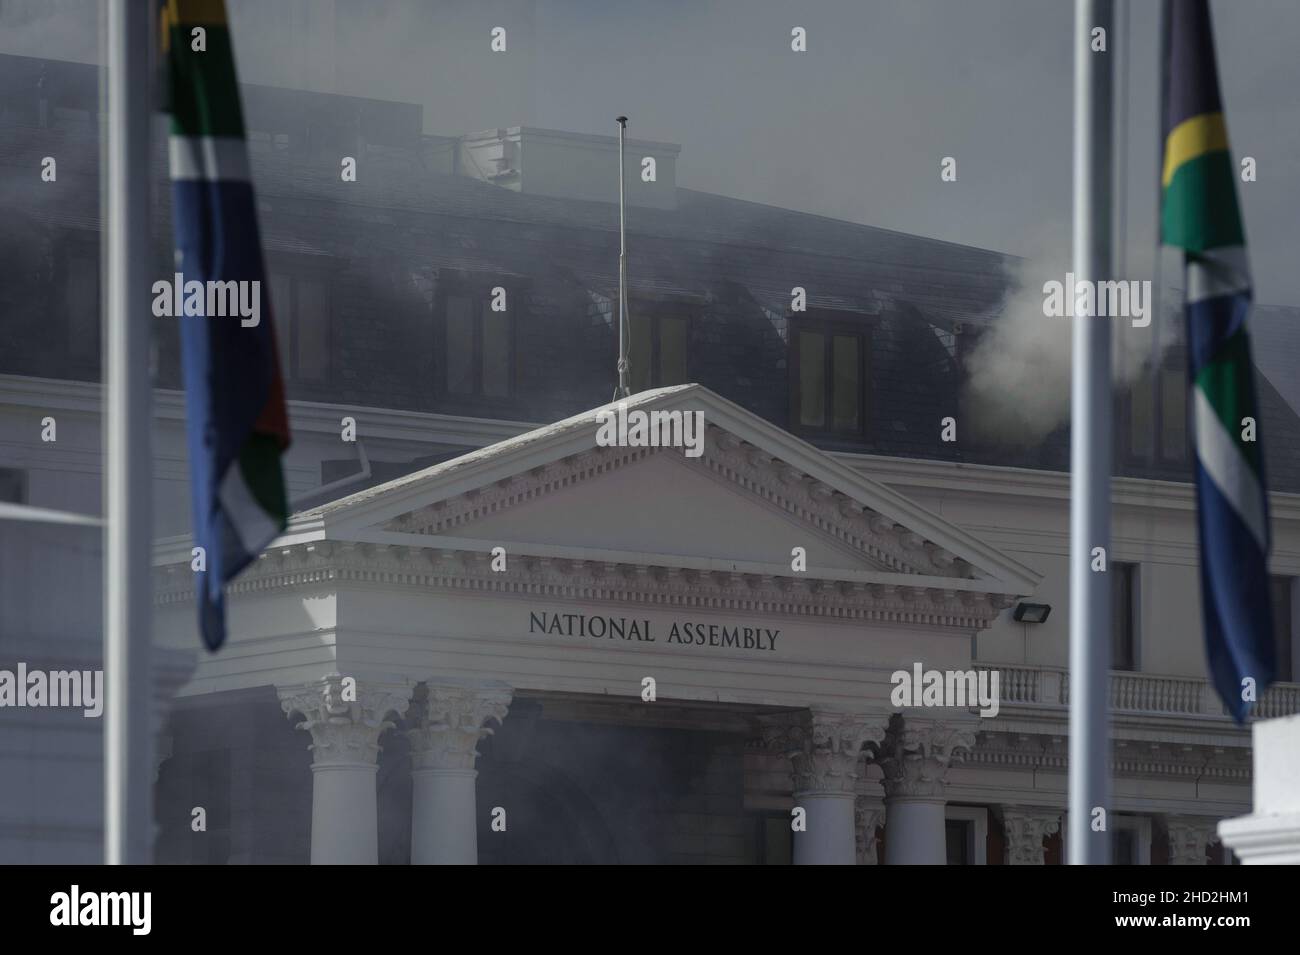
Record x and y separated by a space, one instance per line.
128 477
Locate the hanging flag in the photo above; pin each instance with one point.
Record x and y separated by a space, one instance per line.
236 423
1200 216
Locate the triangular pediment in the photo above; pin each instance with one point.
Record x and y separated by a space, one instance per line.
753 495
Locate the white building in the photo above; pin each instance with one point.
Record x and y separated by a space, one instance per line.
771 687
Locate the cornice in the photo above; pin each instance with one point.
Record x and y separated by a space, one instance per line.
327 567
984 480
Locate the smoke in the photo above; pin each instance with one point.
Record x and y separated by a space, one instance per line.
1017 389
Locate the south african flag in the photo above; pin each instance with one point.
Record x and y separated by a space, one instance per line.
1200 216
236 423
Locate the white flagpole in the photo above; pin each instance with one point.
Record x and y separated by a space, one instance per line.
128 472
624 332
1090 446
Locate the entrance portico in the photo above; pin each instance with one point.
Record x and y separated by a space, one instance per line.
763 579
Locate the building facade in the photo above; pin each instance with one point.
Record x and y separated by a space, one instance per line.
488 636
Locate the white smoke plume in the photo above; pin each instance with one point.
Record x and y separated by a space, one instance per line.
1017 388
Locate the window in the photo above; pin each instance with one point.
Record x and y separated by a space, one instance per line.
1124 616
773 838
1284 636
13 486
301 311
657 348
959 836
966 834
478 342
828 393
1157 413
80 282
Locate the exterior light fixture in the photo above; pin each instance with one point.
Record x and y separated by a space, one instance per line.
1032 613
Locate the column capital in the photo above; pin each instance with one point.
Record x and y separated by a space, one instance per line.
450 719
345 717
823 745
1026 827
1188 837
915 756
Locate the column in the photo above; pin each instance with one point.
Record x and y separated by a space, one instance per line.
868 815
1025 828
1189 836
450 721
825 750
914 758
345 719
1270 835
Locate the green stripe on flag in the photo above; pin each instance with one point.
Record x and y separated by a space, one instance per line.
204 92
1228 386
1200 205
259 463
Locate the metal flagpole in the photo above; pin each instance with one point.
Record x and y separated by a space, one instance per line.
623 332
128 733
1090 447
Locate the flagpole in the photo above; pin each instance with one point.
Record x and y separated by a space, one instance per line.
624 333
1090 447
128 478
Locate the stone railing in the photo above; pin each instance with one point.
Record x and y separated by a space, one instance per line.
1021 685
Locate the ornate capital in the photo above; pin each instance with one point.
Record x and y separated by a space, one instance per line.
345 718
868 815
915 756
824 746
450 720
1188 837
1026 827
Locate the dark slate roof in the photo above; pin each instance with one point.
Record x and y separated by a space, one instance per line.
709 248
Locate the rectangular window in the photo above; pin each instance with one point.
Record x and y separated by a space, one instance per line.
1283 628
13 486
828 387
478 343
1173 414
1124 620
1157 413
81 299
959 835
846 363
1124 848
812 379
658 345
1142 418
775 841
300 309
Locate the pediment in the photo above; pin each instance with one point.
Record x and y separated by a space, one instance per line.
753 495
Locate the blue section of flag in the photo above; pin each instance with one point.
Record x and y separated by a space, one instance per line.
229 373
1235 599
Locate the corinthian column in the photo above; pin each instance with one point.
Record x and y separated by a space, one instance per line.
1026 827
825 751
450 721
1188 837
914 758
345 720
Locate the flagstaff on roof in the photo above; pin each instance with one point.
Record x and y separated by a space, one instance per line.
623 333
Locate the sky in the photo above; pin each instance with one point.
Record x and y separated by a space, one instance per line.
855 127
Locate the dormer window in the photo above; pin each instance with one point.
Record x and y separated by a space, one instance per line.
828 376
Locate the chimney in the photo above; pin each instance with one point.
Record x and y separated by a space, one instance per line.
549 162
